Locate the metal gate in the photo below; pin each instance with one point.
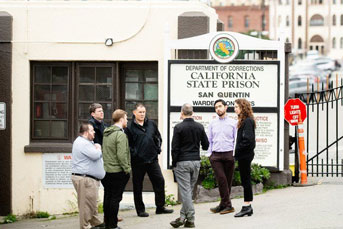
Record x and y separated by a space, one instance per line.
324 130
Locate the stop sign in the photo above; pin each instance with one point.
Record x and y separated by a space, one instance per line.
295 110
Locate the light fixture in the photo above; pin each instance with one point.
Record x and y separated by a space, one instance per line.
109 42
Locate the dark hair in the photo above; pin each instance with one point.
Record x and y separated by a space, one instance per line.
84 127
118 114
93 107
219 100
246 111
139 105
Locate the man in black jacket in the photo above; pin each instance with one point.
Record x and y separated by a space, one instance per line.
186 162
145 145
97 121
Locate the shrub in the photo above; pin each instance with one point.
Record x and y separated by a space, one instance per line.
100 208
42 215
10 218
208 181
207 174
170 200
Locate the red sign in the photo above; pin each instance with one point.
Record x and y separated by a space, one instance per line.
295 111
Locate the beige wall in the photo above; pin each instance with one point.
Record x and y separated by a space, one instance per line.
77 31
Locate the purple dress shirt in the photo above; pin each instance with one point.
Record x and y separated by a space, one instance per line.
221 135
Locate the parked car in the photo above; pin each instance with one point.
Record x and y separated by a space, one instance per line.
298 86
325 63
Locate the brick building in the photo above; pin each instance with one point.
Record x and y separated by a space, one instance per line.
244 18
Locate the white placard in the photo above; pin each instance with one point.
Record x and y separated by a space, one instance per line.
202 84
2 116
57 170
266 134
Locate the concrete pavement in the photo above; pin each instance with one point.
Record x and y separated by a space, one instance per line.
318 206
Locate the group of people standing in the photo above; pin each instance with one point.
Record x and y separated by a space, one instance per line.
108 155
226 140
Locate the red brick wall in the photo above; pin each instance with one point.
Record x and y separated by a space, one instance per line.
238 13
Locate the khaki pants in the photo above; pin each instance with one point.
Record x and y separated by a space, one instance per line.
87 196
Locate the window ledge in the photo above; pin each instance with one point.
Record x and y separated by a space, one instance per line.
48 148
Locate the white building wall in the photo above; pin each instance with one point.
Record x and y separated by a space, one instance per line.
327 9
76 31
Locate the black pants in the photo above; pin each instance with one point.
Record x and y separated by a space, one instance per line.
223 164
155 175
114 185
244 166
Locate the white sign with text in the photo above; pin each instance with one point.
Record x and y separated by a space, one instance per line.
202 84
57 170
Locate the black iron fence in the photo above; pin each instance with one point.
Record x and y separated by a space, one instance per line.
324 131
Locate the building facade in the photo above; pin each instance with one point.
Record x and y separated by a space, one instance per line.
58 57
309 25
244 18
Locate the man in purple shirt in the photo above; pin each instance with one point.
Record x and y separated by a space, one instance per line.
221 136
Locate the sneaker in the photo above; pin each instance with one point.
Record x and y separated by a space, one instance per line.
164 210
143 214
177 223
189 224
227 210
216 209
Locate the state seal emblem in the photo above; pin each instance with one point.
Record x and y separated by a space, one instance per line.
224 48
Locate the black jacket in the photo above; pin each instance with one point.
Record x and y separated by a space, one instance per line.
144 141
99 128
245 142
186 141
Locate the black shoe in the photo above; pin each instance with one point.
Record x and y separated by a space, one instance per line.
143 214
189 224
164 210
227 210
246 210
216 209
177 223
100 226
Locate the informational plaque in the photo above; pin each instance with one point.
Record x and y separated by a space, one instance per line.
57 170
2 116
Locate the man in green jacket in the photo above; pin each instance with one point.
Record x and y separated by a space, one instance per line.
116 155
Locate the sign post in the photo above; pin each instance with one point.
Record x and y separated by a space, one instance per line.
295 114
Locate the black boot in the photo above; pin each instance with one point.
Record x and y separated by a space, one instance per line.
246 210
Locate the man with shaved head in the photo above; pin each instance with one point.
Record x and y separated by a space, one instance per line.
186 161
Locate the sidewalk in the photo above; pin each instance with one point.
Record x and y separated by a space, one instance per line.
318 206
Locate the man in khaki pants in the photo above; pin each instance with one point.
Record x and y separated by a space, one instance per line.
87 171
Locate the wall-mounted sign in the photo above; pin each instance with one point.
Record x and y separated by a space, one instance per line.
224 48
57 170
2 116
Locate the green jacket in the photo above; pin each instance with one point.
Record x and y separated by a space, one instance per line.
116 151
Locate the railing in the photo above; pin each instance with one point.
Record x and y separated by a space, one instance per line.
324 131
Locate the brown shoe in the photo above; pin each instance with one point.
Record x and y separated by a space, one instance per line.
227 210
120 219
216 209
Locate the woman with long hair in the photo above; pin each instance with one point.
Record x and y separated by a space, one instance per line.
244 151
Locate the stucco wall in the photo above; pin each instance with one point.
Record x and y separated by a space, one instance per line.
77 31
